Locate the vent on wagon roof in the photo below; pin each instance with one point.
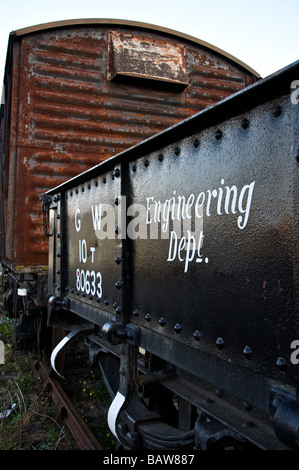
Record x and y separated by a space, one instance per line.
137 57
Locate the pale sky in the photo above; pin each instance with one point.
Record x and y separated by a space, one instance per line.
262 33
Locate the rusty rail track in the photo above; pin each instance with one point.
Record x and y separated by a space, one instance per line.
77 426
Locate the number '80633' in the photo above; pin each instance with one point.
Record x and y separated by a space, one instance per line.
89 282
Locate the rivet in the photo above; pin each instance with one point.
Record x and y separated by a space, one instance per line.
58 235
247 406
118 310
245 123
277 111
90 297
114 305
98 299
197 335
96 184
177 151
83 294
58 271
161 157
134 168
247 351
177 328
196 143
89 186
118 285
148 317
58 255
72 291
219 343
106 302
297 156
146 163
77 191
116 173
104 180
58 288
281 362
82 189
218 134
58 216
136 312
116 230
71 193
116 201
118 260
162 321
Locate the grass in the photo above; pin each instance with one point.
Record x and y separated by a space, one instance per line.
28 415
28 421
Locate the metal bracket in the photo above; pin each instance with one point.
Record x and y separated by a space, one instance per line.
285 411
129 335
46 202
115 333
57 302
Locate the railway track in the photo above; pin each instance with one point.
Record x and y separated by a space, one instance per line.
67 412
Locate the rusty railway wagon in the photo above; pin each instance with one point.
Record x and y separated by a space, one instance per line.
75 93
177 257
177 260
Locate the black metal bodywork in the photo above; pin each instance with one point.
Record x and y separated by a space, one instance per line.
186 245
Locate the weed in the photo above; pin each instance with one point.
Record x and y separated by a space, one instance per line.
26 421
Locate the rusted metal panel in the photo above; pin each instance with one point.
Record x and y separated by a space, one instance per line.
37 170
66 116
130 55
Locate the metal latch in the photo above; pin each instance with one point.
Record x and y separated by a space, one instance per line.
57 302
46 201
115 333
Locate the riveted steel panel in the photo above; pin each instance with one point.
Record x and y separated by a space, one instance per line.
211 247
91 247
213 268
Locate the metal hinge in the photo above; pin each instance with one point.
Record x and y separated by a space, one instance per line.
46 201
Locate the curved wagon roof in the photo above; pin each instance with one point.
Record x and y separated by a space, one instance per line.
137 24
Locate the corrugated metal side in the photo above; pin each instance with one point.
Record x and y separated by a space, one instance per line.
67 101
72 117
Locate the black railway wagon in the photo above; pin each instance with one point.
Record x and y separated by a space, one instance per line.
75 93
178 261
